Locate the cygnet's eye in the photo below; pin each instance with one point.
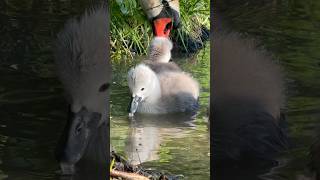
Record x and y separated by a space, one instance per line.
142 89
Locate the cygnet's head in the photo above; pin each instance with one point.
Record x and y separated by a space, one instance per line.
160 49
144 86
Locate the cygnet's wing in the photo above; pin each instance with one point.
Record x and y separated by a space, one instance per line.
180 91
187 102
180 102
159 67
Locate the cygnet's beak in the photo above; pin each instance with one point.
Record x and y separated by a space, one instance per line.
134 105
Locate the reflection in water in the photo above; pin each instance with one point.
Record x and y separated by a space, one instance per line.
93 164
147 131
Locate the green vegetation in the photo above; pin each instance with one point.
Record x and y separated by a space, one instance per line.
131 31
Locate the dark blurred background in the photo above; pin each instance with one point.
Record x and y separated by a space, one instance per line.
289 29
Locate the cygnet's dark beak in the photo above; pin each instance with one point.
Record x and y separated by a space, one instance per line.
134 105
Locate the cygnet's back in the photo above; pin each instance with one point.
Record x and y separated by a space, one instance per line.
180 91
160 67
176 82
